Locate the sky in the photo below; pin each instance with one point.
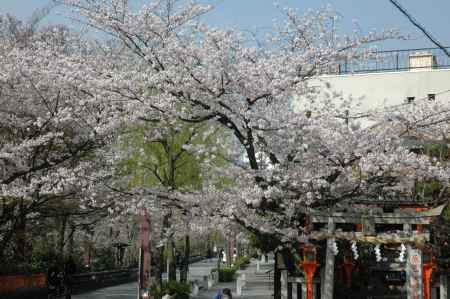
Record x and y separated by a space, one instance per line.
258 15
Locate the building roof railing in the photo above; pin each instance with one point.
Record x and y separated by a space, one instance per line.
397 60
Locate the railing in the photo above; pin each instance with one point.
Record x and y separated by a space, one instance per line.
300 286
269 272
394 60
94 280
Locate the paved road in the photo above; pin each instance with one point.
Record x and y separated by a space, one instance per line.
127 291
259 285
123 291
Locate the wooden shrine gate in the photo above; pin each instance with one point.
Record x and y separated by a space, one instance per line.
370 226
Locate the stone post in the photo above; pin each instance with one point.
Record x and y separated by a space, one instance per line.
239 286
195 288
284 284
210 281
443 286
303 287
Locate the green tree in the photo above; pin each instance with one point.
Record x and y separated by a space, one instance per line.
169 155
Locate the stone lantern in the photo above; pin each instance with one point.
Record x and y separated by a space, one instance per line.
310 266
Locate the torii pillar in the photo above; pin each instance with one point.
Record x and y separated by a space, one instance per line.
414 270
328 281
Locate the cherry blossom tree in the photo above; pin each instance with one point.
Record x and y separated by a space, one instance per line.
52 127
286 161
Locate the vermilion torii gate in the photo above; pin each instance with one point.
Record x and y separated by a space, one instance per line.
419 263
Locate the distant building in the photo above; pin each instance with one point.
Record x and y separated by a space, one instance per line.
389 79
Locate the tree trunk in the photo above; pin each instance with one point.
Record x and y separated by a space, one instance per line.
219 259
276 279
209 251
229 253
7 236
21 238
62 236
161 262
7 215
70 241
187 253
172 261
238 249
160 265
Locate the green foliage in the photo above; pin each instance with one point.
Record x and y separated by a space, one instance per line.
177 290
105 260
227 274
446 214
42 257
148 163
432 189
439 151
264 242
164 160
429 190
242 262
40 260
11 267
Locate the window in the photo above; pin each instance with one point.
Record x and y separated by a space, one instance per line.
308 113
409 100
431 97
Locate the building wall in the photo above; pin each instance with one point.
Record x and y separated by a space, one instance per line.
379 90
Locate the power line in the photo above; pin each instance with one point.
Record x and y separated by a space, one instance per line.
423 99
418 25
391 108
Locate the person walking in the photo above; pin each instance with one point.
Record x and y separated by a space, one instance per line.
52 280
70 269
219 294
227 294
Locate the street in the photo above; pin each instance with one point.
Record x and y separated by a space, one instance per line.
123 291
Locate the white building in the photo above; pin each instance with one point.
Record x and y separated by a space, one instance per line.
401 77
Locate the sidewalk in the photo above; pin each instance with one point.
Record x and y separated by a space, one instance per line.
197 271
211 293
258 285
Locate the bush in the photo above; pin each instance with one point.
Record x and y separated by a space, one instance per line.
227 274
242 262
177 290
105 260
14 268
